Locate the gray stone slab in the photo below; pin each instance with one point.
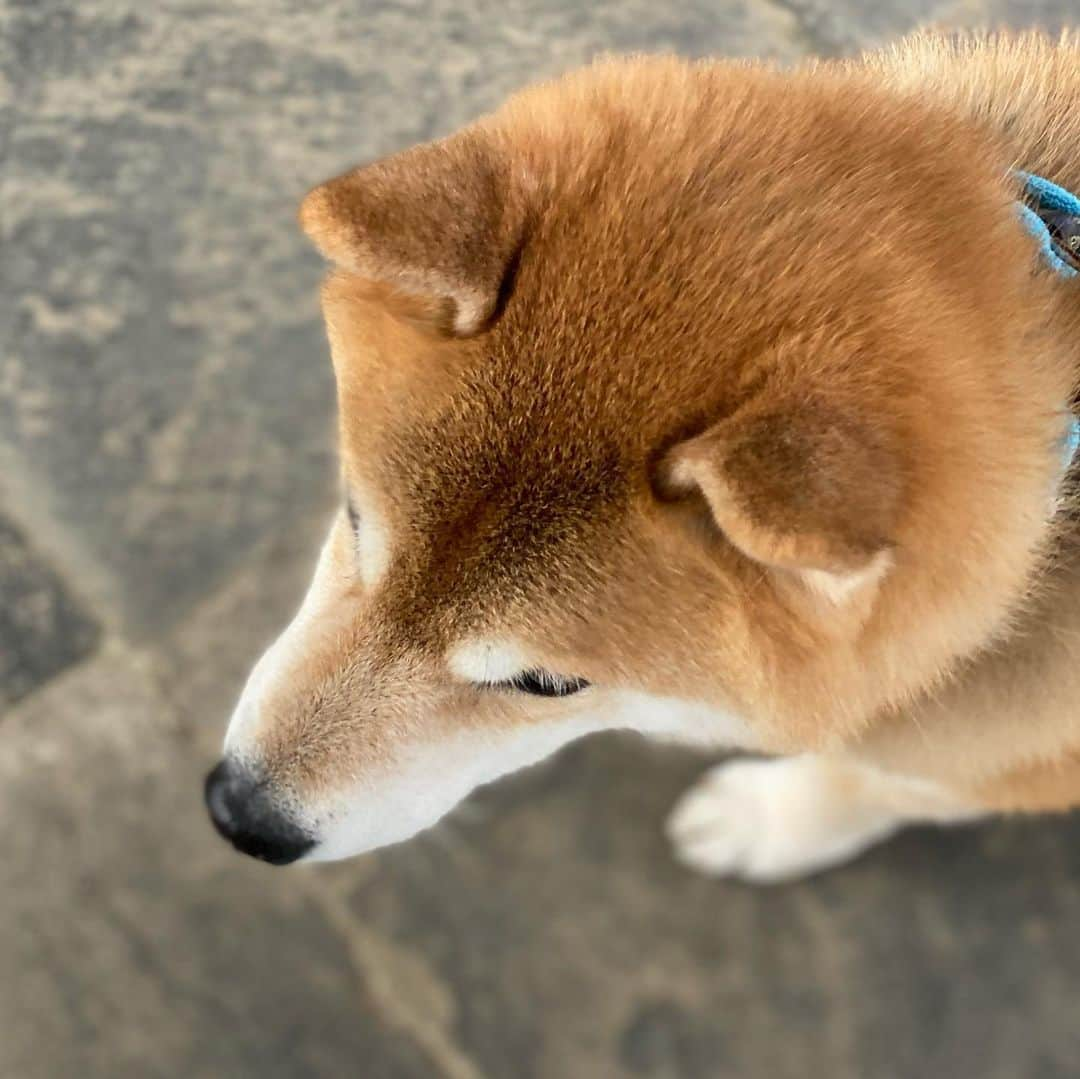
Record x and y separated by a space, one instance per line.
43 628
203 662
134 942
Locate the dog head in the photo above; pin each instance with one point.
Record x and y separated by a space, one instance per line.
665 403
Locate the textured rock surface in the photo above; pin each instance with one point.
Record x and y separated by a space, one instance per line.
165 467
42 627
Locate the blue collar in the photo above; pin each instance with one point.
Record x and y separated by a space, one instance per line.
1052 216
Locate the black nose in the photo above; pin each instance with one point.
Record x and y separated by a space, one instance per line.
243 811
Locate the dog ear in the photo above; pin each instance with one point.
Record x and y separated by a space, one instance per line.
435 229
802 487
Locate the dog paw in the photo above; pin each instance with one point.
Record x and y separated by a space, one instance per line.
768 821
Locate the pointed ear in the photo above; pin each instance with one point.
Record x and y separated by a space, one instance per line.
435 228
801 487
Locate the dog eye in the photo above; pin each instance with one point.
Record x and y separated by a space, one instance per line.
541 683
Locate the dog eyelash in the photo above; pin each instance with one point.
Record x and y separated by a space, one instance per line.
541 683
353 514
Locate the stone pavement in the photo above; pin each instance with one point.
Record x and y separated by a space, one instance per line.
165 468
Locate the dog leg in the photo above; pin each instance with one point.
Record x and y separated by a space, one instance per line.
773 820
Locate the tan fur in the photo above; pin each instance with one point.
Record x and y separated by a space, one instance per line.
632 362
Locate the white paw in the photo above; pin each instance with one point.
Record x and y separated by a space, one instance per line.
771 820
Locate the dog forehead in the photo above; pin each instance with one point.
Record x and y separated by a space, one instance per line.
494 503
493 475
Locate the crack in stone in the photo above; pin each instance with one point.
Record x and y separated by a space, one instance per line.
394 978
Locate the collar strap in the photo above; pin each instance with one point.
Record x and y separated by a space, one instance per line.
1052 216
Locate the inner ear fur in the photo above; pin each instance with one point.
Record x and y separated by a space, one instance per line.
801 485
435 229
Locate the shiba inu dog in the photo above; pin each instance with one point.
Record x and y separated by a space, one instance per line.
716 401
